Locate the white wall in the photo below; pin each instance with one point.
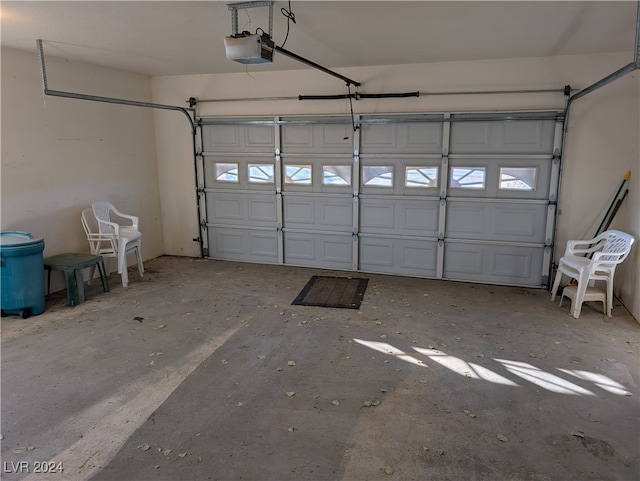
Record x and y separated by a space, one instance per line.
602 145
59 155
602 142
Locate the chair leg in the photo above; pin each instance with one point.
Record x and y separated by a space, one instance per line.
125 277
576 307
609 296
139 258
103 276
122 257
556 284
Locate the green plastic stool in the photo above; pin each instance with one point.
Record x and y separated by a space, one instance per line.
72 266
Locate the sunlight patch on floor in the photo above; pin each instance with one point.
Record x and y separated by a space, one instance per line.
523 370
464 368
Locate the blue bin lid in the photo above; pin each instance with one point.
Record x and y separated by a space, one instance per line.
14 241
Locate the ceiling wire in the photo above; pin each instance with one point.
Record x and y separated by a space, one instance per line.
248 24
246 67
353 119
346 110
291 17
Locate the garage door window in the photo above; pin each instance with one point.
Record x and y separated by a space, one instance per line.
226 171
297 174
468 178
377 175
261 173
336 175
518 178
421 177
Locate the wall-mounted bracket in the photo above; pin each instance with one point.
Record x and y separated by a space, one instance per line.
234 7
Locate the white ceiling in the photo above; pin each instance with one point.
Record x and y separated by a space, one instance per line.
186 37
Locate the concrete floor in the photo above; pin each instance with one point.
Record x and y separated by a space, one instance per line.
202 370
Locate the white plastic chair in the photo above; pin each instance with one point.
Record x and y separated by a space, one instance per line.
592 260
124 239
101 244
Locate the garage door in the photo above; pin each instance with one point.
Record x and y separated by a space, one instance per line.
451 196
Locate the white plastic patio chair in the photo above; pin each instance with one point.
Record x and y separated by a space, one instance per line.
592 260
100 244
125 239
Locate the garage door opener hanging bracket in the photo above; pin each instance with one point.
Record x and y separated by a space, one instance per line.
247 48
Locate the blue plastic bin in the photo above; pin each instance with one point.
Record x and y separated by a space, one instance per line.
21 274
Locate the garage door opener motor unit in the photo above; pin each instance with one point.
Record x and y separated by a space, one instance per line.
248 48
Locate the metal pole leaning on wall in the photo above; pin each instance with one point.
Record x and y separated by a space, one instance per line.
134 103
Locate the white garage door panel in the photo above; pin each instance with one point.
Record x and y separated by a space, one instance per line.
502 137
324 138
226 209
318 213
262 209
401 138
337 214
299 212
399 216
376 216
238 138
398 256
496 221
228 242
318 250
244 245
241 209
499 264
